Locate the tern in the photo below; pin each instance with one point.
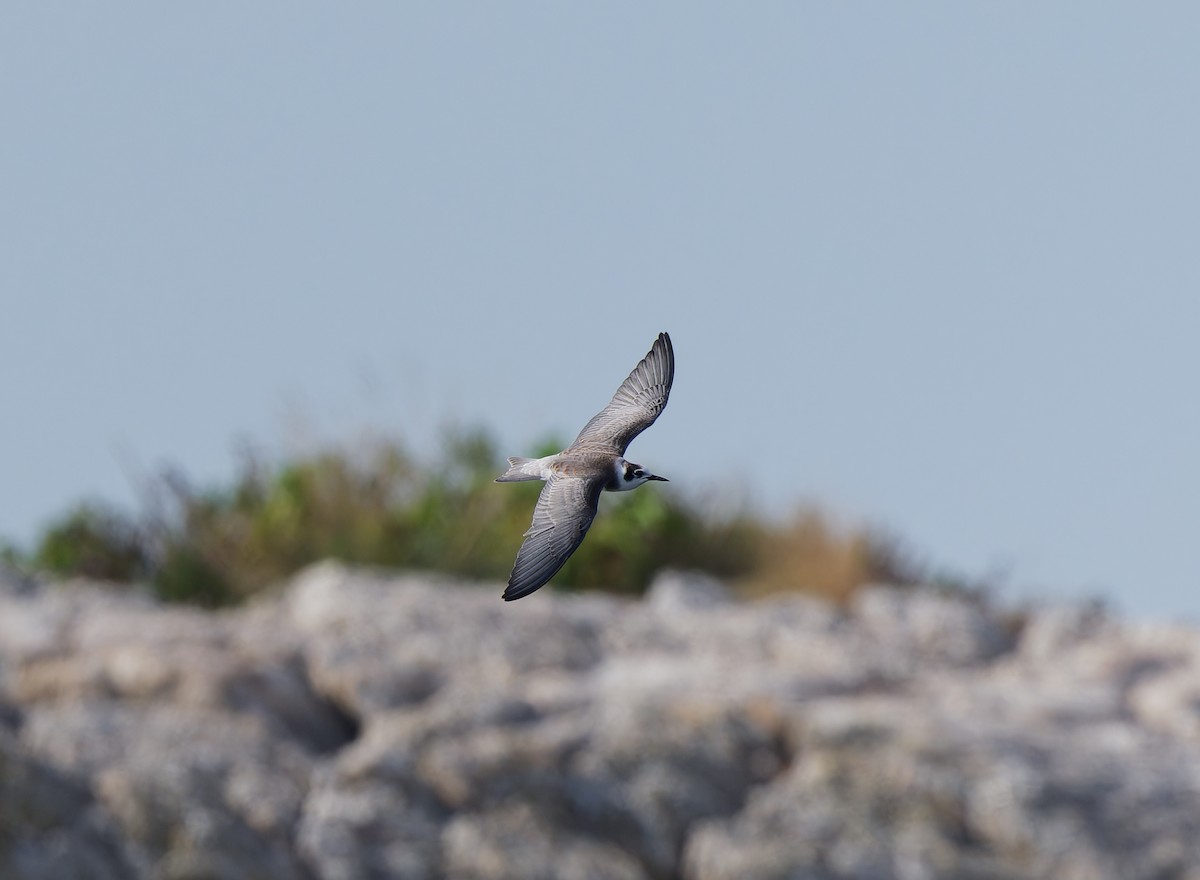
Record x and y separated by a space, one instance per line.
595 462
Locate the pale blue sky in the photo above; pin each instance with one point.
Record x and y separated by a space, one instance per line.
935 266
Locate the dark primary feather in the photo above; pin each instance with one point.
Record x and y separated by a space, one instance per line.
638 402
564 512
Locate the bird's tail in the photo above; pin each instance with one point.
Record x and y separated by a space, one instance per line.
519 470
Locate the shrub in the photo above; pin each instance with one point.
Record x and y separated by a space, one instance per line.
376 505
92 541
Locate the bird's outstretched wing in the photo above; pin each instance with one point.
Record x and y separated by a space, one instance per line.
637 403
564 513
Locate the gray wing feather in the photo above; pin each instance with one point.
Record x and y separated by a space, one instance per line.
638 402
564 513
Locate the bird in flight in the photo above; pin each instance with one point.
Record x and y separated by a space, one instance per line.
595 462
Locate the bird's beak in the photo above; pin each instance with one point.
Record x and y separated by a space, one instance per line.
657 477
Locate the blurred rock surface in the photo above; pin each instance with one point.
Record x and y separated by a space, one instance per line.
358 724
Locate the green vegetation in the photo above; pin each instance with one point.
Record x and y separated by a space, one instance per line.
379 506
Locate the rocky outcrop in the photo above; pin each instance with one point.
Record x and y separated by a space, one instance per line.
360 725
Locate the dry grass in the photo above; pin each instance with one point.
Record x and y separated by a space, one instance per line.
811 554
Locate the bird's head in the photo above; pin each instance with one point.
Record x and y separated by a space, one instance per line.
630 475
